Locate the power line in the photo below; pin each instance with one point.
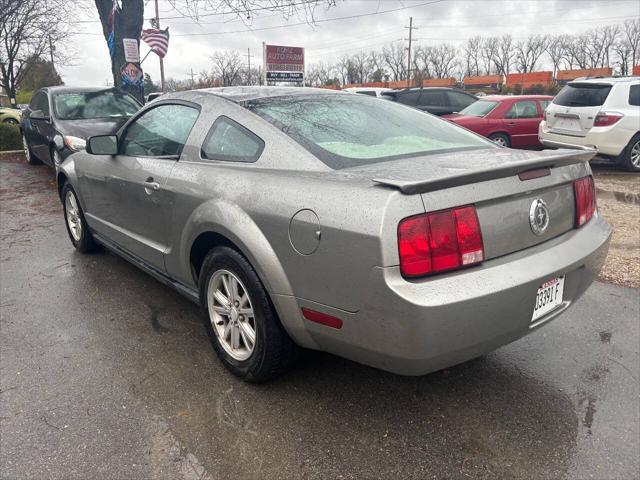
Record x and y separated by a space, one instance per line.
324 20
228 12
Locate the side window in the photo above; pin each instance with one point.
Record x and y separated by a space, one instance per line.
634 95
409 98
525 109
544 104
40 102
433 98
229 141
460 100
161 131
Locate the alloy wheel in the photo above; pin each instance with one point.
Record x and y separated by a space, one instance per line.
73 216
635 154
500 141
231 314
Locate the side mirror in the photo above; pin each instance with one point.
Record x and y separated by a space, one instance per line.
38 115
103 145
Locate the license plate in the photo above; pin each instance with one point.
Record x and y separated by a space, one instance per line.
567 124
549 297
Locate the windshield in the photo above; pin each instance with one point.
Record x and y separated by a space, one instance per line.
582 95
103 104
480 108
350 130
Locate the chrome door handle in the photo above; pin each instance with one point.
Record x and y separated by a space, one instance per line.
155 186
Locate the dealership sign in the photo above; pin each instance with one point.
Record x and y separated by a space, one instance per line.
283 64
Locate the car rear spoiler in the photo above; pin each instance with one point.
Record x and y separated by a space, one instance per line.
508 169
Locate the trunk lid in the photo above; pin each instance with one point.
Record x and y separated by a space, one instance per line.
497 182
574 109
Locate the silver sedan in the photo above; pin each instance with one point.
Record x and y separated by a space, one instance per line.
310 218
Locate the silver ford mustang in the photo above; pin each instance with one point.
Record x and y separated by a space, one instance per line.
309 218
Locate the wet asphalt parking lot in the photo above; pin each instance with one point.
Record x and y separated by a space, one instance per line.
106 373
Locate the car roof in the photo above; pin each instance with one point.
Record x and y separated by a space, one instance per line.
606 79
367 89
500 98
65 89
415 89
243 94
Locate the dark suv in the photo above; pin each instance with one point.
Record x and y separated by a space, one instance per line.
438 101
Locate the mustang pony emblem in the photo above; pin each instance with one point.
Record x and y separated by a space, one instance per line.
538 216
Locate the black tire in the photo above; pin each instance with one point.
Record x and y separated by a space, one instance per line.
631 153
501 139
274 352
30 157
85 242
52 154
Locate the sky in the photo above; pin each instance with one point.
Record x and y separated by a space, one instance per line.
370 24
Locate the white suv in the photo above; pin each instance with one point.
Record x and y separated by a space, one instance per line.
602 113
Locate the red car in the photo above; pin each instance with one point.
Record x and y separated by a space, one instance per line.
509 120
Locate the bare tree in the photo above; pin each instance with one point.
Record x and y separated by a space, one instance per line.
128 19
377 67
473 56
444 60
422 63
528 52
118 24
395 59
556 50
344 68
631 35
361 67
206 80
227 65
28 29
623 51
502 53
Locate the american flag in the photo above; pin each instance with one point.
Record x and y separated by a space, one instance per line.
158 40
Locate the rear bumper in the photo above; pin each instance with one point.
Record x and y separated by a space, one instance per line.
609 141
413 328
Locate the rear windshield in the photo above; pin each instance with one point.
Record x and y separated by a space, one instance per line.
350 130
101 104
479 108
582 95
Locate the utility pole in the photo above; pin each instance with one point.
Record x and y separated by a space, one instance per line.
193 82
161 60
411 29
51 50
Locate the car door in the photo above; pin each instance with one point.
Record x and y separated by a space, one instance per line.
126 198
36 128
521 123
435 102
459 101
409 97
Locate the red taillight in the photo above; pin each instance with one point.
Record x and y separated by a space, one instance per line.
413 246
585 200
439 241
469 236
606 119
